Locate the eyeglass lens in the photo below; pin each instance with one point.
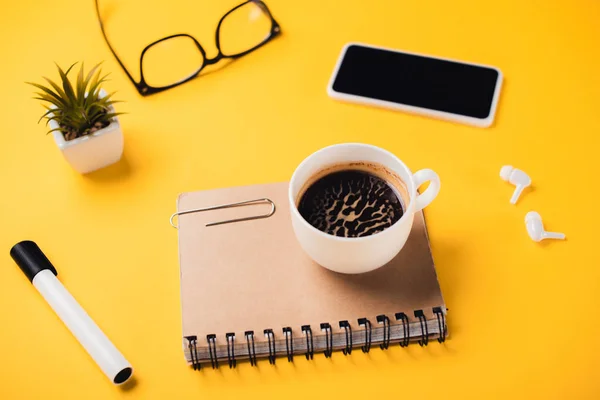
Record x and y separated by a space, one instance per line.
171 61
243 29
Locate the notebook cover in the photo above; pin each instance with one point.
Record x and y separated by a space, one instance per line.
253 275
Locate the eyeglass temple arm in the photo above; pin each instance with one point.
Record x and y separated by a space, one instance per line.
110 46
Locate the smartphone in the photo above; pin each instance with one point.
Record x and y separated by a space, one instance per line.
432 86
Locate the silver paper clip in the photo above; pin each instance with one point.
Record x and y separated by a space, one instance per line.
230 205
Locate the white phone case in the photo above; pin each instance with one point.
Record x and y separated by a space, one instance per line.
480 122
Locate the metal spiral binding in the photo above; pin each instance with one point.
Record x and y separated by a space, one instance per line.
230 349
192 341
367 347
348 330
405 328
289 343
424 332
212 350
310 350
386 331
251 350
271 338
326 327
328 339
441 323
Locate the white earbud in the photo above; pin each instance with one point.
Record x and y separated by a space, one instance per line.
516 177
535 228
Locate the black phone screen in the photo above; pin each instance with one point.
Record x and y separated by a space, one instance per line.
418 81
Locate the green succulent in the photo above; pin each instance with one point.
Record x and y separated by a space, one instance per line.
78 110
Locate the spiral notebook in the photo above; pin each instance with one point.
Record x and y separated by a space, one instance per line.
249 292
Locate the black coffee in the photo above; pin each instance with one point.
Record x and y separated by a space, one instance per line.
350 203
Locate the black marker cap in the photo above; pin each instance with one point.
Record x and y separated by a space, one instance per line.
30 258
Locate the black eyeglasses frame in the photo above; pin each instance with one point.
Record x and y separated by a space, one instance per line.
142 86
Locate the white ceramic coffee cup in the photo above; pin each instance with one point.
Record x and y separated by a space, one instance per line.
361 254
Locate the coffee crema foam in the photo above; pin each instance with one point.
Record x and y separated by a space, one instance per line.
352 200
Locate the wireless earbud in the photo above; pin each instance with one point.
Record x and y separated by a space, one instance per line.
516 177
535 228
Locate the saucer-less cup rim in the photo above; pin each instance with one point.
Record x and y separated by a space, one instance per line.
419 178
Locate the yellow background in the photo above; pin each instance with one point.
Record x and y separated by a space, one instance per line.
523 316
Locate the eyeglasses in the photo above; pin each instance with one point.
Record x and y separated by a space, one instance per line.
240 31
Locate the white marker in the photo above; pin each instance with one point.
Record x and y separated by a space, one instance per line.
535 228
36 266
516 177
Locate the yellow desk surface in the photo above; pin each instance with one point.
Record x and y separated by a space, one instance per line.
523 316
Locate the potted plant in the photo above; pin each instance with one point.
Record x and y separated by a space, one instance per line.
82 119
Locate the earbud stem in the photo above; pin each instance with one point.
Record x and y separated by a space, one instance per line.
553 235
517 194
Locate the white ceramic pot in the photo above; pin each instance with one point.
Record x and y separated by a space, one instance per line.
92 152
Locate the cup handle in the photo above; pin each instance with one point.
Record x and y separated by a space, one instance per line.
419 178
